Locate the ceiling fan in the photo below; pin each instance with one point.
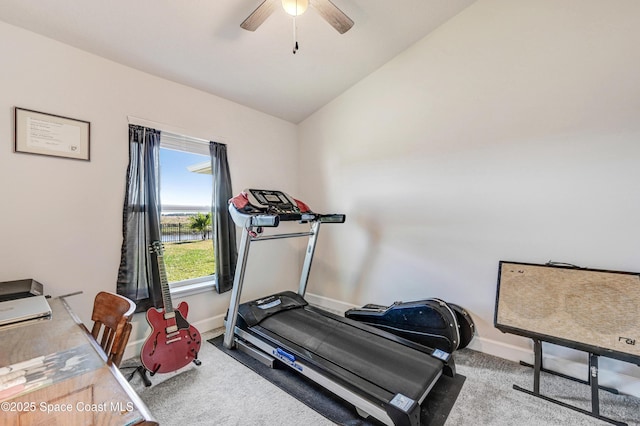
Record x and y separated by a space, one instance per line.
330 12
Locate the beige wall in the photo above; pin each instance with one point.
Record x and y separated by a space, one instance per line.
510 133
61 220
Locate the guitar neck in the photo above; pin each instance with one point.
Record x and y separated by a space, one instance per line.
164 283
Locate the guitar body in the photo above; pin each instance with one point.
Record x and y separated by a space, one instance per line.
173 342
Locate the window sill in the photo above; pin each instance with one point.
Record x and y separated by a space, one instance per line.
191 289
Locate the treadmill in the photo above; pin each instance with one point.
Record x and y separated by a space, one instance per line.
384 376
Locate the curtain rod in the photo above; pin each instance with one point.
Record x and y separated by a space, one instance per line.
170 131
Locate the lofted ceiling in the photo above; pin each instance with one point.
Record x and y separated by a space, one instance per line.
199 43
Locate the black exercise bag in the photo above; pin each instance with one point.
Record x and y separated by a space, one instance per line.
465 325
430 322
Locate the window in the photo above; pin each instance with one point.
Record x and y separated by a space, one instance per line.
185 221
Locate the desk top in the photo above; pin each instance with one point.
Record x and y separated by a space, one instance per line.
41 337
60 353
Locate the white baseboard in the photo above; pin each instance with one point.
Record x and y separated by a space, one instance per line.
332 305
502 350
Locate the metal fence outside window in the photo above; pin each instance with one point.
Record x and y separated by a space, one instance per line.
178 232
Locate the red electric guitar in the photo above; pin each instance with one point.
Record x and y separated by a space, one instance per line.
173 342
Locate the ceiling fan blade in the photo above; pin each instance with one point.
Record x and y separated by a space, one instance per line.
332 15
259 15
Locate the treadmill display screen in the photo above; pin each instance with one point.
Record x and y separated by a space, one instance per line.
272 198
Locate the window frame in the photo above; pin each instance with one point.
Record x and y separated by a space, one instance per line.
176 142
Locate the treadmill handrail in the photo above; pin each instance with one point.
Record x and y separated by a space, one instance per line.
244 220
282 236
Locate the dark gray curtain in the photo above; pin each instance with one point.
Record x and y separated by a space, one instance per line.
138 276
224 230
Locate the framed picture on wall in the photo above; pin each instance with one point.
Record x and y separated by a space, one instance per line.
53 135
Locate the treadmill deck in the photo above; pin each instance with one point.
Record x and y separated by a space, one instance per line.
348 350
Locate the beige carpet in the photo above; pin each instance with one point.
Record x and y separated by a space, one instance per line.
222 391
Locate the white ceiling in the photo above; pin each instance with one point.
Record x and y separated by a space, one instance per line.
199 43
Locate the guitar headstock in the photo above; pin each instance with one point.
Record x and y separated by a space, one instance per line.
157 248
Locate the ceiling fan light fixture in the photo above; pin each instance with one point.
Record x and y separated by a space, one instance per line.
295 7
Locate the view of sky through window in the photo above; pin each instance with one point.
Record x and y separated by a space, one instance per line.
178 185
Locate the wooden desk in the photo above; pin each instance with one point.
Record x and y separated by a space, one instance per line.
52 372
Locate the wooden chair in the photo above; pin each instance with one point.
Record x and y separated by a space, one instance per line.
112 324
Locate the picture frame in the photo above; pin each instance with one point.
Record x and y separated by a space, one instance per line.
52 135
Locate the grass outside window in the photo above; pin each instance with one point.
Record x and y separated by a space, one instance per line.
187 260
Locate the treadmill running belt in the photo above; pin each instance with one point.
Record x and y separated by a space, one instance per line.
388 364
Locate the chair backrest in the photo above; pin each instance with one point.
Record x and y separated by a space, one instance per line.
112 324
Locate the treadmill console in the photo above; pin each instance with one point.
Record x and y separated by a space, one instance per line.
262 207
272 201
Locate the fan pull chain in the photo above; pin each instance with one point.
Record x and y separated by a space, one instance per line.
295 37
